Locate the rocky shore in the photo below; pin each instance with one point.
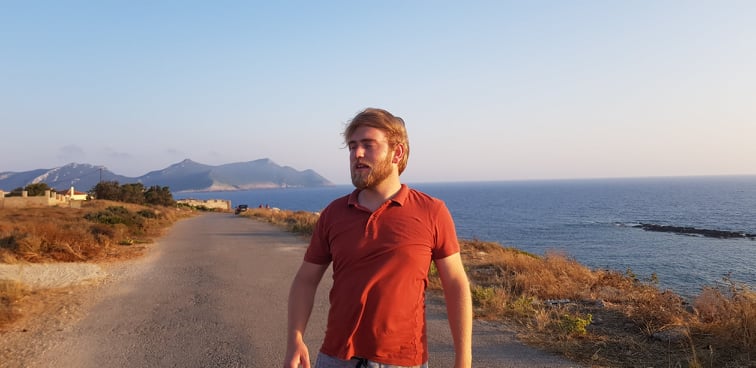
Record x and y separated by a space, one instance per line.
709 233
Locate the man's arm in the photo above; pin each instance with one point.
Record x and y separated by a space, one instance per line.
458 306
301 299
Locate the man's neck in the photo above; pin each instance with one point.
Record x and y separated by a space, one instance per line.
375 196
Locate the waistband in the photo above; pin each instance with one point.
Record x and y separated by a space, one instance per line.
327 361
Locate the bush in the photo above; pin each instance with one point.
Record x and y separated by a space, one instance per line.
729 313
150 214
11 292
482 296
298 222
574 325
116 215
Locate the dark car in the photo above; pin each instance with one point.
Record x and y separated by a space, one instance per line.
241 208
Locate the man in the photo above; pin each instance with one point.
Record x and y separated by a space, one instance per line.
381 239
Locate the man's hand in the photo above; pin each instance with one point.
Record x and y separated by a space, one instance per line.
301 299
297 355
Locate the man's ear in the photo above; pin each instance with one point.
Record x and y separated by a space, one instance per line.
398 154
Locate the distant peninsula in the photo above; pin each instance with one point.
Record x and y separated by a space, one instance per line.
184 176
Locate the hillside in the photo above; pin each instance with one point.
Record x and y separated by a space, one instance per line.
186 175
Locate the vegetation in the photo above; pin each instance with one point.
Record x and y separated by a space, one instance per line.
298 222
91 233
32 190
133 193
11 294
599 318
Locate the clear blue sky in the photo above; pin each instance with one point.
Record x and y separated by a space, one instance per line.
490 90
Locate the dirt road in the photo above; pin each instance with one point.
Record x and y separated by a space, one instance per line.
212 293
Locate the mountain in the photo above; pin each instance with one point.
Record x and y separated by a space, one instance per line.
81 176
186 175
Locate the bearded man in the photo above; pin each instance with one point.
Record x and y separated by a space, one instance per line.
381 239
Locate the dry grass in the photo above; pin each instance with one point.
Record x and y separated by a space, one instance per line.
726 323
599 318
11 294
606 318
57 234
298 222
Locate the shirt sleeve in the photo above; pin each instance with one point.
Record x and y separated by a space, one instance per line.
319 250
447 242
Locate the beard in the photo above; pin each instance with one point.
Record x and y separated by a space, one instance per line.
377 174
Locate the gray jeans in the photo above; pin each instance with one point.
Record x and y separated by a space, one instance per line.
325 361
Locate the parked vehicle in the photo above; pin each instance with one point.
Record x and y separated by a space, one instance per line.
241 208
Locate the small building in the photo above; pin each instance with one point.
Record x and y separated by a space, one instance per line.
74 195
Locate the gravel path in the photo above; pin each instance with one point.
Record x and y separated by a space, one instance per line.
211 293
53 275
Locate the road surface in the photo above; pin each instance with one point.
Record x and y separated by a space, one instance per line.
212 293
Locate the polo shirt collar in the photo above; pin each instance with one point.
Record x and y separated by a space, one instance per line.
400 198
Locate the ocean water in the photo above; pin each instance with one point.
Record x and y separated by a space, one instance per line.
588 220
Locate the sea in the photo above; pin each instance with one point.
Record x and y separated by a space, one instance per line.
591 221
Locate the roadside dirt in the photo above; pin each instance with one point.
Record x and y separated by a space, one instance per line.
53 275
61 295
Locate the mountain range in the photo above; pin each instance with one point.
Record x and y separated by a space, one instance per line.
184 176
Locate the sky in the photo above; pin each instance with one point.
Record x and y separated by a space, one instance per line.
489 90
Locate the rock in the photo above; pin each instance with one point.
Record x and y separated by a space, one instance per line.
709 233
671 335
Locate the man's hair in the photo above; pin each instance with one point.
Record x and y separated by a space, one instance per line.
392 126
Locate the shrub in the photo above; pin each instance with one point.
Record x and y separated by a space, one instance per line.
488 301
729 313
115 215
482 296
574 325
298 222
9 242
522 307
148 214
37 189
11 292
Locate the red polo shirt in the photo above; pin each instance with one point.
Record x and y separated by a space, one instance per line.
380 272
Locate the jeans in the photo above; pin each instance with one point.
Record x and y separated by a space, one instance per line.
325 361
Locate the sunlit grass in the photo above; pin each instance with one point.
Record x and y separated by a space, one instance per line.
298 222
11 293
92 233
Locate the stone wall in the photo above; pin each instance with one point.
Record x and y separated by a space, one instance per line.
49 199
221 204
